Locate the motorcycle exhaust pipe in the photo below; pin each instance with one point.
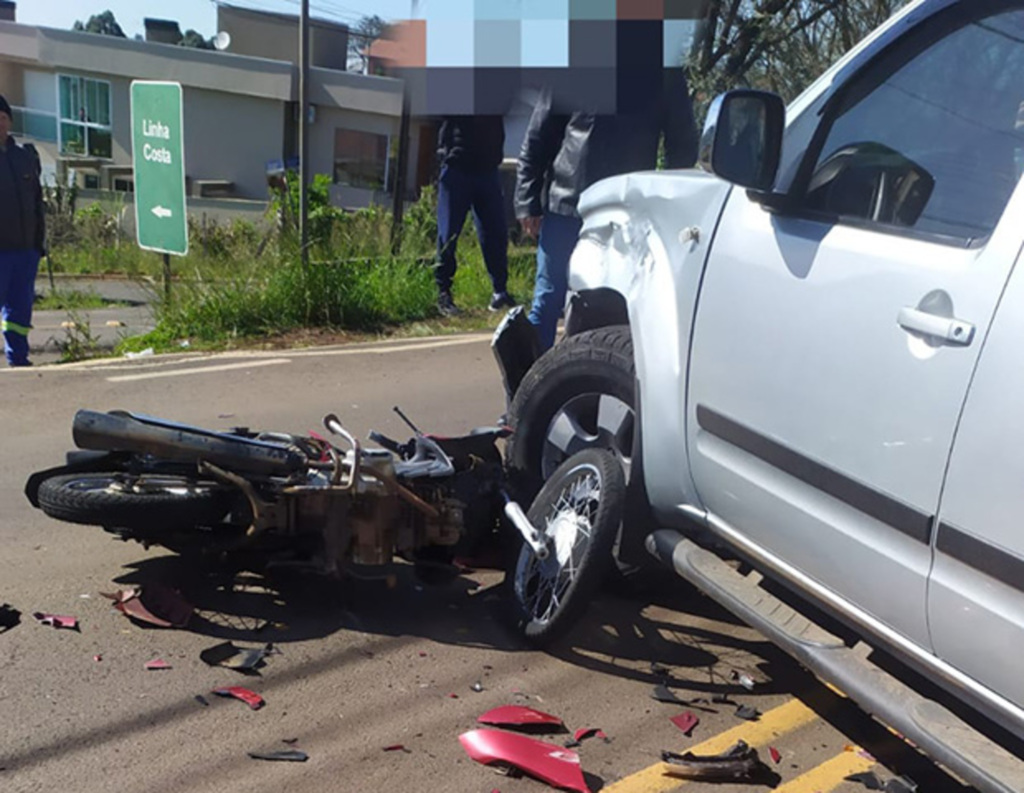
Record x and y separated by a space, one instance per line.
531 535
119 431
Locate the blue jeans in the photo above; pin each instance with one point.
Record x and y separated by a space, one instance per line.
17 293
558 234
458 191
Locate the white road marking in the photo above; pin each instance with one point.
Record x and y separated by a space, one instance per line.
196 370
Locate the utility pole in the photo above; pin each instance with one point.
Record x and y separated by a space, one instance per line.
304 132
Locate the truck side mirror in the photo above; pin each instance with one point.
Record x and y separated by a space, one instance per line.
742 138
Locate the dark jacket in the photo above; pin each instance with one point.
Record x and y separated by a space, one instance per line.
22 220
563 154
474 143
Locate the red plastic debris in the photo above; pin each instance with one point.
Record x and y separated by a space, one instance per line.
97 658
549 763
57 620
397 747
154 604
453 696
157 663
685 721
519 716
250 698
776 757
590 732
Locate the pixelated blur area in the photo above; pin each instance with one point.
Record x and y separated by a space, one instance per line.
479 57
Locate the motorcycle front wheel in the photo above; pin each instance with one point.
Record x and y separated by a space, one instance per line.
121 500
578 510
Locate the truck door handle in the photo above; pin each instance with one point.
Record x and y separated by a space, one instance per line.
949 329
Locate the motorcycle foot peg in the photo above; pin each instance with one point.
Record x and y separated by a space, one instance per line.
534 539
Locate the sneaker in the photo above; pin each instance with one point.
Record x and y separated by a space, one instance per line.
446 305
500 300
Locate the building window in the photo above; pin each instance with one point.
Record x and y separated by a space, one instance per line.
85 117
34 124
361 159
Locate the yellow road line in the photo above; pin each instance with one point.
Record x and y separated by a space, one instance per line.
778 721
827 776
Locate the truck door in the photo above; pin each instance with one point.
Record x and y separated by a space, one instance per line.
976 595
835 339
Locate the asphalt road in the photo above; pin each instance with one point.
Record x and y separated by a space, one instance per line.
363 666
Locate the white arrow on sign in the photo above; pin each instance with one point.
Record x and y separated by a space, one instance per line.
162 212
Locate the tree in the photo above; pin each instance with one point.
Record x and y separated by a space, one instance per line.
104 24
195 40
776 45
366 31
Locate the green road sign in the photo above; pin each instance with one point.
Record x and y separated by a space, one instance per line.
158 159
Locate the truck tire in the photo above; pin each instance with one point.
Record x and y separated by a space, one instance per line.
579 509
579 394
116 500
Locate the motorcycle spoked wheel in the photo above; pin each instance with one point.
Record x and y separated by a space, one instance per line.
121 500
579 510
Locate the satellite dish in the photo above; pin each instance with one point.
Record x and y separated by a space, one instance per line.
222 40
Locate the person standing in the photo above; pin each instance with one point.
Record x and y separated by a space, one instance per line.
22 235
565 153
471 149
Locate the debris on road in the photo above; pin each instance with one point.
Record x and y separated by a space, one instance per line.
685 721
738 764
477 687
10 617
287 755
153 604
776 756
156 664
662 694
240 659
57 621
900 784
748 713
202 700
397 747
146 353
869 779
744 680
519 716
97 658
250 698
544 761
586 732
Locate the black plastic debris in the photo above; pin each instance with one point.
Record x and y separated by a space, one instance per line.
202 700
900 784
662 694
241 659
868 779
748 713
10 617
738 764
286 755
659 669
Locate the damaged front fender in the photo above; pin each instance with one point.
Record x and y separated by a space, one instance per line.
555 765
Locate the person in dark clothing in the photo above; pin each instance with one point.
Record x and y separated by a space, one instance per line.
564 153
470 149
22 234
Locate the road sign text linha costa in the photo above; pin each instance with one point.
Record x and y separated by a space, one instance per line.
154 129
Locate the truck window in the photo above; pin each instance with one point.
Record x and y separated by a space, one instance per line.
930 139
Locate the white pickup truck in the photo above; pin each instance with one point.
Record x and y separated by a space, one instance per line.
810 351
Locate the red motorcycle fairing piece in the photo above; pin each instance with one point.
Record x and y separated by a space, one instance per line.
250 698
519 716
555 765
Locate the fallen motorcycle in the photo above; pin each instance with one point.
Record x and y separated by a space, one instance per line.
290 500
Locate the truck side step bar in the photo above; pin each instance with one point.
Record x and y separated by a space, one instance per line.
939 733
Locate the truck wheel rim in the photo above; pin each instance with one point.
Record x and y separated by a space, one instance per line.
589 420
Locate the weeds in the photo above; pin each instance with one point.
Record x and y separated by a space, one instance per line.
79 341
241 280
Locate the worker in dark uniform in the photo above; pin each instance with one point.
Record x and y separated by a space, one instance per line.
22 234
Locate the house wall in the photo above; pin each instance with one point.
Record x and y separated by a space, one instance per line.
277 37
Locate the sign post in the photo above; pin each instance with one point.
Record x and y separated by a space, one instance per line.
161 222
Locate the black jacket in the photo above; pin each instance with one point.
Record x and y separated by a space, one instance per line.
474 143
563 154
22 219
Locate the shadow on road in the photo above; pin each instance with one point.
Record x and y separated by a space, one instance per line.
288 606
